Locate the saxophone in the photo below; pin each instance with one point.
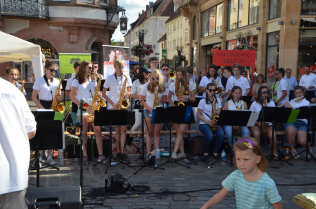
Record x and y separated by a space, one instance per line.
156 98
266 125
237 131
123 103
96 103
180 103
57 107
214 116
22 86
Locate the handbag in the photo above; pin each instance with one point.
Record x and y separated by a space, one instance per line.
197 146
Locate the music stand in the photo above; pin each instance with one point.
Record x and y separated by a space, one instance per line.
175 114
112 118
307 113
276 115
232 118
49 135
64 84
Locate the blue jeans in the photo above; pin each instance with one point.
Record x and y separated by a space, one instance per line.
229 134
74 118
206 129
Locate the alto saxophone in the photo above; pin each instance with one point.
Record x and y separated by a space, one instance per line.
123 103
22 86
57 107
180 103
96 103
156 98
214 116
237 131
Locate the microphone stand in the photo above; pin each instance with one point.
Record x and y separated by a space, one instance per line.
80 125
263 122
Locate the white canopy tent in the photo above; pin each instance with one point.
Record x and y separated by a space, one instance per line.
13 49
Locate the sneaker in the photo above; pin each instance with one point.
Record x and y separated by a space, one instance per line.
101 158
153 153
148 157
206 158
51 161
85 160
124 156
174 156
136 140
294 154
173 140
119 156
181 155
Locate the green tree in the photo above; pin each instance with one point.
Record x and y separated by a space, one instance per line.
114 42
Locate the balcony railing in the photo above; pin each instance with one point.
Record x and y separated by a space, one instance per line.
25 8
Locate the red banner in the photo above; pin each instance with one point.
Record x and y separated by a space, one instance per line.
271 71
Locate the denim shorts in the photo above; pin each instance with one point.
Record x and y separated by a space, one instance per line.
147 113
299 125
74 118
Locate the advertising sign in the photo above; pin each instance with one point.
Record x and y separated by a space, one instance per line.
66 61
110 54
271 71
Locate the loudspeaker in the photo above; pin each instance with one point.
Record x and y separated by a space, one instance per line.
67 197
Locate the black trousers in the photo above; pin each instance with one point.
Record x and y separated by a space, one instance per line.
46 104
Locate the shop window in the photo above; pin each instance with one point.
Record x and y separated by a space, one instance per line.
205 23
275 9
308 7
212 16
219 19
232 14
307 49
212 21
253 12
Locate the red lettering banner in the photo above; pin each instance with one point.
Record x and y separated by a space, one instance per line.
271 71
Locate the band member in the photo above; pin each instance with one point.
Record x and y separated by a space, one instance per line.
149 92
238 80
299 127
228 73
82 88
95 68
165 74
153 63
263 97
45 88
74 107
235 103
137 86
187 95
115 83
205 114
12 74
283 87
211 77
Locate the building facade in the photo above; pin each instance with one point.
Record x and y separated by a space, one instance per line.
283 32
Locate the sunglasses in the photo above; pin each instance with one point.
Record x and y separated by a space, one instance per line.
156 79
51 70
165 69
265 92
211 90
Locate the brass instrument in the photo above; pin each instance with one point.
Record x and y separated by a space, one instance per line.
22 86
214 116
171 75
57 107
180 103
216 88
96 102
156 98
123 103
237 130
266 124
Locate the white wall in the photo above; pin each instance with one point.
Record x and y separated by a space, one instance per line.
79 12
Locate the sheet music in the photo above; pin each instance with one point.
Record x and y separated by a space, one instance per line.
252 119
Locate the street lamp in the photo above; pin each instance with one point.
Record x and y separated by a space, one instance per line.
248 34
179 49
239 35
141 34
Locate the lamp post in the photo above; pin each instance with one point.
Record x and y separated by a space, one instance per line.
248 34
239 36
141 34
179 49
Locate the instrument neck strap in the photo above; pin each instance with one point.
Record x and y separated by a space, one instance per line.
46 79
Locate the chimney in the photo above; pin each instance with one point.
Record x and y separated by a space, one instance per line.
151 4
143 11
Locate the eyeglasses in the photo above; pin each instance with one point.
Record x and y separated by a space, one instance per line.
51 70
164 69
276 73
90 68
211 90
156 79
265 92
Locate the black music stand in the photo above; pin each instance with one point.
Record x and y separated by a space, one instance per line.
113 118
175 114
307 113
232 118
49 135
64 84
276 115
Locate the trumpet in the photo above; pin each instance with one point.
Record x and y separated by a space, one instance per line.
172 75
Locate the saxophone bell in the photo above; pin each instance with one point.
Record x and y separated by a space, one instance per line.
58 107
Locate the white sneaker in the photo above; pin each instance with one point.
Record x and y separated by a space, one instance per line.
51 161
181 155
174 156
294 154
153 153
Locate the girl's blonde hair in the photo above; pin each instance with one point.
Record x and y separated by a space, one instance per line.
242 146
152 86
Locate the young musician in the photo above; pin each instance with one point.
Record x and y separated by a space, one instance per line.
12 74
228 73
153 63
205 114
82 88
299 127
283 87
263 97
137 86
45 88
238 80
95 67
148 93
115 83
235 103
187 96
211 77
253 187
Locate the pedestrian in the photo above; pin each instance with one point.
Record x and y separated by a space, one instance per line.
253 187
17 126
291 81
308 81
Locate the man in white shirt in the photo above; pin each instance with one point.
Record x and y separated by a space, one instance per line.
228 73
308 81
283 87
17 126
238 80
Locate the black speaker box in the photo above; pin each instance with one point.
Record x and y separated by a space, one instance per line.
65 197
74 151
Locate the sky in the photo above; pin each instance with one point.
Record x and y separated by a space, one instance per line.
132 7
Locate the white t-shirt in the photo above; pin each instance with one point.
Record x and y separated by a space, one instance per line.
69 83
256 107
136 87
207 108
205 80
16 120
84 90
241 82
231 77
297 105
283 86
46 92
19 86
172 87
236 106
308 80
150 97
115 85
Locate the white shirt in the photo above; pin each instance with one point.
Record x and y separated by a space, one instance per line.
231 77
207 108
308 80
205 80
241 82
136 87
16 120
115 85
150 97
236 106
46 92
84 90
69 83
297 105
19 86
283 86
172 87
256 107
